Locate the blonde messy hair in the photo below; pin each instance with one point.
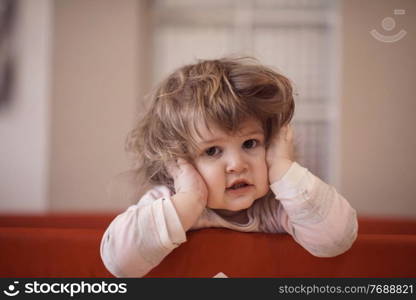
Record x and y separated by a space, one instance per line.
221 91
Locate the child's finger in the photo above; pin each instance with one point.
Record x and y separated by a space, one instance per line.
289 133
283 132
183 164
172 168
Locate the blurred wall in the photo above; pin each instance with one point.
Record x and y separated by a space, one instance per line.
99 69
378 109
96 52
25 121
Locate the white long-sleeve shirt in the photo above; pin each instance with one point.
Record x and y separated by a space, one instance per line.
311 211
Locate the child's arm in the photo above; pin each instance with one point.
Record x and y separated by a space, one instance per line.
139 239
317 217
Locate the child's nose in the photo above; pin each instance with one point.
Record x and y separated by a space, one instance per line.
236 164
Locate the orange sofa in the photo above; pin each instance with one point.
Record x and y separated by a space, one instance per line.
67 245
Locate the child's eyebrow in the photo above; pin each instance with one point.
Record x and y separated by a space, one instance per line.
215 140
254 132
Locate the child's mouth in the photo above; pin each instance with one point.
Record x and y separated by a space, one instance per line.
237 186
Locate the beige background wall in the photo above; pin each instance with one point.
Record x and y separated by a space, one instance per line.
96 54
25 123
378 110
99 68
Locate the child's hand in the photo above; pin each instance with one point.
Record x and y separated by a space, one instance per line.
191 192
280 153
188 181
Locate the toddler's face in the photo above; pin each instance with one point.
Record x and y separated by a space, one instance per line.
233 166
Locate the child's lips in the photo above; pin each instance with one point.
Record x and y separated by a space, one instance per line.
238 182
240 190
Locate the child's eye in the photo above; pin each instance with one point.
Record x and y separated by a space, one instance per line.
250 143
212 151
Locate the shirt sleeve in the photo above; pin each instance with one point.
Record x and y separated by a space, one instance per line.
139 239
314 213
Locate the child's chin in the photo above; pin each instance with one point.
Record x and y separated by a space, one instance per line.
235 204
240 205
233 208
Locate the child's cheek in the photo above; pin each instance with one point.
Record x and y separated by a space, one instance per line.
208 172
260 155
263 169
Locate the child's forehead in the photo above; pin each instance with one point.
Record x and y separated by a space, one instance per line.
210 130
